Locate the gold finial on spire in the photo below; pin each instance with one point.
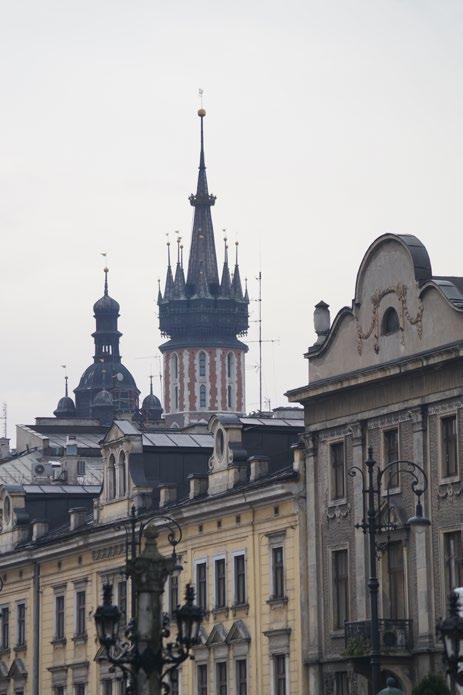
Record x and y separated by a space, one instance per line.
201 110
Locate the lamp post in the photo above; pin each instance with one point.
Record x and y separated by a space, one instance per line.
371 525
147 657
450 631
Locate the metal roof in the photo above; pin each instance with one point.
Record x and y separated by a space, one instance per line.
62 489
177 439
272 422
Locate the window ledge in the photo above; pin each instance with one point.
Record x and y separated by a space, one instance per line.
80 639
451 479
337 503
337 634
275 602
219 610
20 647
240 607
5 651
59 641
392 491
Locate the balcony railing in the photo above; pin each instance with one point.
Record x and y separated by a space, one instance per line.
394 635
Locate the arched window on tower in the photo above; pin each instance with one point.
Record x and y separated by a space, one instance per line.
202 396
174 364
111 478
202 363
174 382
122 475
230 365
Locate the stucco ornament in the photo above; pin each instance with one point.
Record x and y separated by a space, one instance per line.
450 492
400 290
338 513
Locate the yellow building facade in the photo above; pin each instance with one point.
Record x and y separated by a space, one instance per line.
242 548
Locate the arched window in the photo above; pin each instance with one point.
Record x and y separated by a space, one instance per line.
175 397
391 323
219 442
122 475
229 396
174 365
230 365
202 363
111 478
202 396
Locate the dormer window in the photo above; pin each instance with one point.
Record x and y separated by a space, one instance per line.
391 323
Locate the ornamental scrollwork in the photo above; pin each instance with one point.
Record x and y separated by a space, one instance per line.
338 513
450 492
400 290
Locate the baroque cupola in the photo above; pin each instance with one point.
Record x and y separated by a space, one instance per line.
203 317
65 407
151 406
107 374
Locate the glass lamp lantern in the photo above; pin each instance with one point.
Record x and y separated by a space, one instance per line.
418 522
107 618
189 618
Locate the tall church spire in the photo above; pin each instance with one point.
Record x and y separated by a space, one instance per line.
202 251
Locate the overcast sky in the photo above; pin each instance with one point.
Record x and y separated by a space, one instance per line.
329 122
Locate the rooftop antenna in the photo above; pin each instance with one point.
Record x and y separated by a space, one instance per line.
106 271
4 417
261 340
64 366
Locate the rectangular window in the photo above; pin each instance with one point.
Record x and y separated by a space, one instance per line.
453 561
241 677
396 580
173 594
80 614
59 617
340 589
58 690
80 467
220 581
391 454
279 674
449 446
107 687
202 679
341 684
201 584
122 601
21 624
5 617
338 487
278 573
240 579
79 689
221 685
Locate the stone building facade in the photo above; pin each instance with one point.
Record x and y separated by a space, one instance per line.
387 373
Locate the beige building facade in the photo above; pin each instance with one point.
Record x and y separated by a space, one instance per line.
243 528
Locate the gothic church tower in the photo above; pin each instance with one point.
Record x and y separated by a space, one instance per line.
202 315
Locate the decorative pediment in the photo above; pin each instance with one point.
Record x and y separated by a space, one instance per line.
238 633
17 670
218 636
202 637
3 671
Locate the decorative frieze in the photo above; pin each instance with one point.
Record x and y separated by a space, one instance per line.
338 513
108 552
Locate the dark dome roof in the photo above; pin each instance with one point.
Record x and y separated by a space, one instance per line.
106 305
103 398
151 402
99 375
65 407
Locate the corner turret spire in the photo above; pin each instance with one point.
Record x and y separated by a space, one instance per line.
237 290
225 285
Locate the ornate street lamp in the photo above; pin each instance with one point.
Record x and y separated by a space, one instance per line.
450 631
372 524
146 657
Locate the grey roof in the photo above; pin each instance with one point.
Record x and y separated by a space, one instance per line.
177 439
83 441
272 422
61 489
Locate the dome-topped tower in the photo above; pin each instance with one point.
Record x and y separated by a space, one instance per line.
202 317
65 407
107 373
151 406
